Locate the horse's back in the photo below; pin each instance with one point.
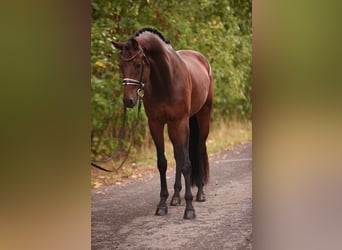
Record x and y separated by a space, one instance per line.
201 79
195 62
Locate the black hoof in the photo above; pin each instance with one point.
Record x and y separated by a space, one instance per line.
200 197
175 201
189 214
161 211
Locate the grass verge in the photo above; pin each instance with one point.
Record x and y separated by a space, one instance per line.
223 135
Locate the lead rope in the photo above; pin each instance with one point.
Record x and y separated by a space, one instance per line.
121 137
132 135
118 146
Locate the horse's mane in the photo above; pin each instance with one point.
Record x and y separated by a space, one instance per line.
154 31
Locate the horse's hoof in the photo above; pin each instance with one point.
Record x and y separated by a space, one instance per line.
175 201
161 211
200 197
189 214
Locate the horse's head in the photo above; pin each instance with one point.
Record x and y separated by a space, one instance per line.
134 68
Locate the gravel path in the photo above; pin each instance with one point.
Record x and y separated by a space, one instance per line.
123 215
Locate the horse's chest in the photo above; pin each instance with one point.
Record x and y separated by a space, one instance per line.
166 112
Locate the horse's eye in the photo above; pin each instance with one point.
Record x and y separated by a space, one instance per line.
137 65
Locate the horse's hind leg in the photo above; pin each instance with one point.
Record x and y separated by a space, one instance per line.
196 158
157 132
179 135
203 121
203 165
176 200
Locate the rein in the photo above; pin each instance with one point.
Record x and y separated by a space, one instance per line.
121 137
140 84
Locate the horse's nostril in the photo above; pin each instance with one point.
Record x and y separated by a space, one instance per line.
129 103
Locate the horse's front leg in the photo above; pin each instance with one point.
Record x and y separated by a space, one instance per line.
157 132
179 135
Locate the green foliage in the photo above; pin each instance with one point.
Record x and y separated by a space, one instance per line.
219 29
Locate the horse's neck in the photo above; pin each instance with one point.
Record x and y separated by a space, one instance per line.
168 77
162 60
161 71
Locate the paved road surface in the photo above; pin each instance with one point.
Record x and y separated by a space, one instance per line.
123 215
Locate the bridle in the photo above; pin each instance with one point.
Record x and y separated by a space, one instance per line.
140 83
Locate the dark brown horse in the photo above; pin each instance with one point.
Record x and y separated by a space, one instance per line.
178 91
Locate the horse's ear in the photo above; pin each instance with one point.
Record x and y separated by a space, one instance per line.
118 45
135 44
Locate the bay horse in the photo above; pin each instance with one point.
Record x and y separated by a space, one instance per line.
178 92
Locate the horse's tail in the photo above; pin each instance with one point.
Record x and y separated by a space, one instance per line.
198 169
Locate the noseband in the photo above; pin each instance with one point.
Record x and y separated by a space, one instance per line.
129 81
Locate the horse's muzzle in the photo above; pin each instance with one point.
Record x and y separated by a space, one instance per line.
129 102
